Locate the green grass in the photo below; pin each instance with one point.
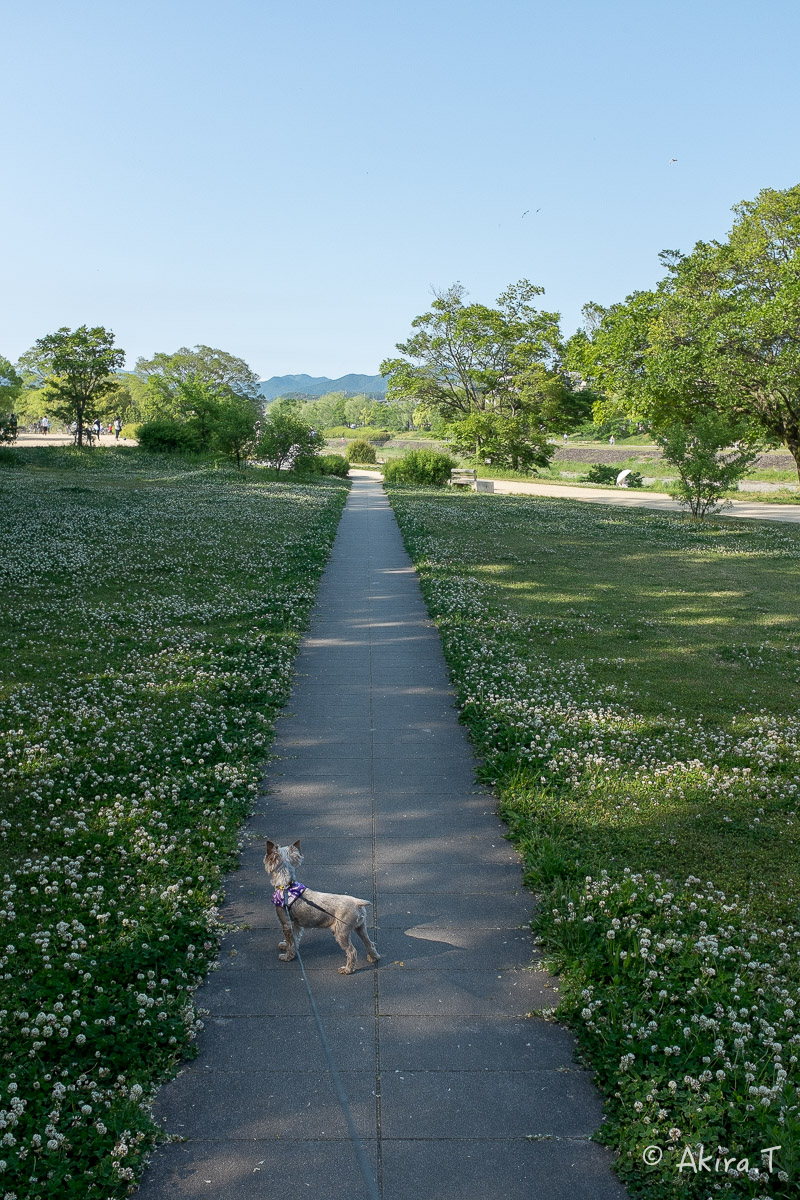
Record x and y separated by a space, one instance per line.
150 608
631 682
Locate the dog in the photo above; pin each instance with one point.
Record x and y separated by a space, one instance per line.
299 908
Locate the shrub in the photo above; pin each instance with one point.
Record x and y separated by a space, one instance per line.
711 455
9 458
130 431
361 451
168 436
600 473
603 473
430 467
330 464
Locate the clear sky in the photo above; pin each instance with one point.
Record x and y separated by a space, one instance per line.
287 181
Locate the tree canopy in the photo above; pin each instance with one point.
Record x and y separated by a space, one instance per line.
492 374
165 380
720 332
78 368
11 385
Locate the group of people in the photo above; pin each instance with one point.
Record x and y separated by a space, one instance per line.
97 428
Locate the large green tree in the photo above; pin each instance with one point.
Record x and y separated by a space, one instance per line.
78 368
286 440
11 385
480 368
168 377
720 332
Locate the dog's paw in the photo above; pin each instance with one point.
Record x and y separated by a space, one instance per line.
345 970
282 945
374 957
285 957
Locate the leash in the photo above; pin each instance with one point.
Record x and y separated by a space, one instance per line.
369 1182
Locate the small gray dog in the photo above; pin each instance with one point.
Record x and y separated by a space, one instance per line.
299 908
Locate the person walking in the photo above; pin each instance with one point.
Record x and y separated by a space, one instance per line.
117 428
44 425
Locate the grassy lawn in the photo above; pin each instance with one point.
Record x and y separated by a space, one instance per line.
631 681
150 609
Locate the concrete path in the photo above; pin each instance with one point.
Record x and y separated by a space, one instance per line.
455 1088
630 498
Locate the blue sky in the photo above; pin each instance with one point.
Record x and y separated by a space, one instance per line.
288 181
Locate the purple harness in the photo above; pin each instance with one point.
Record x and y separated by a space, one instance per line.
285 897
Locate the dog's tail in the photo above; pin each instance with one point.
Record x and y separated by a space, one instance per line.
357 901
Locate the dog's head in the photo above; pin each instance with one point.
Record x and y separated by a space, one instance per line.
282 859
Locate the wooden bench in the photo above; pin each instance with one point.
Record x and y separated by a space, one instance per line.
463 477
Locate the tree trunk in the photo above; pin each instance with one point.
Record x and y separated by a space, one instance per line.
793 443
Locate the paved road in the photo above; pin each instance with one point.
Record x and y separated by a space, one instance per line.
630 498
455 1088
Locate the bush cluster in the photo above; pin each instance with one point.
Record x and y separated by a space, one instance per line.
330 464
429 468
361 451
165 435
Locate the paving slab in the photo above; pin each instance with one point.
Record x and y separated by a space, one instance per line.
487 1104
489 1042
256 1169
456 1084
503 1169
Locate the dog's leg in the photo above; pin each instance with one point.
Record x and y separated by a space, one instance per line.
287 946
372 953
342 934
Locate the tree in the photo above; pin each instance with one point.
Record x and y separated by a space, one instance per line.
515 442
711 456
234 429
167 376
78 367
10 388
720 332
198 402
485 366
286 439
11 385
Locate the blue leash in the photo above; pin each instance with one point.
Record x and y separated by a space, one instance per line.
369 1182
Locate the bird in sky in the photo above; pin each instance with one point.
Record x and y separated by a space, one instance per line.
671 161
527 210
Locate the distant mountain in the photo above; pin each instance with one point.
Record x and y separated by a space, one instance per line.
318 385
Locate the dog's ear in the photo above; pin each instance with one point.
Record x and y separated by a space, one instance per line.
271 846
296 846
